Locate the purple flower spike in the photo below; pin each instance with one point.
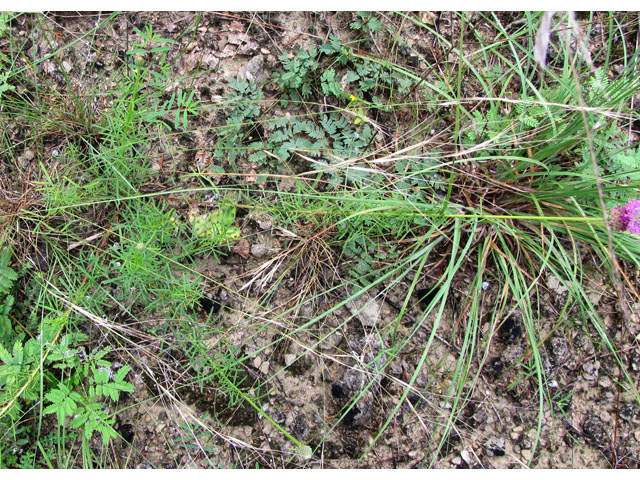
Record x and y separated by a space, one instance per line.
627 217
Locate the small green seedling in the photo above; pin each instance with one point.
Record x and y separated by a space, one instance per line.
218 226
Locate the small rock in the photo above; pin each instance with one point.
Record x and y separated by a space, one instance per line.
594 430
422 380
332 341
604 382
515 432
259 250
480 417
257 361
264 368
466 456
289 359
495 446
67 66
29 155
210 60
559 350
634 363
366 309
590 370
555 285
252 70
265 224
627 412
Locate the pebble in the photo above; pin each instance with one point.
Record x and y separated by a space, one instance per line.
257 362
252 70
264 368
590 370
265 224
559 349
604 382
495 446
289 358
332 341
259 250
29 155
367 310
516 431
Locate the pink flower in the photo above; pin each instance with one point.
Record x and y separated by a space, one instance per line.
627 217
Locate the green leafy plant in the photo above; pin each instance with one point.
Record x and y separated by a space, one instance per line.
185 105
284 136
367 22
297 75
245 96
78 397
7 278
216 227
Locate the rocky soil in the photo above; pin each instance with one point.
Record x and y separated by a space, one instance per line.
591 422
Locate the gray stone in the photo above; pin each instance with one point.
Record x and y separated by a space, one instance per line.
253 69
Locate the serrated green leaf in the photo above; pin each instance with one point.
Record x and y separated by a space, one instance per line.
78 420
123 371
101 375
5 356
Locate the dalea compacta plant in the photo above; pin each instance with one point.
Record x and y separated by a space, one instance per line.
627 217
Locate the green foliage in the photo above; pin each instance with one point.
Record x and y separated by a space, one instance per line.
618 163
7 277
366 22
217 227
185 105
4 76
75 396
244 96
78 396
331 142
4 83
284 136
7 274
137 265
508 129
297 75
418 175
4 21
